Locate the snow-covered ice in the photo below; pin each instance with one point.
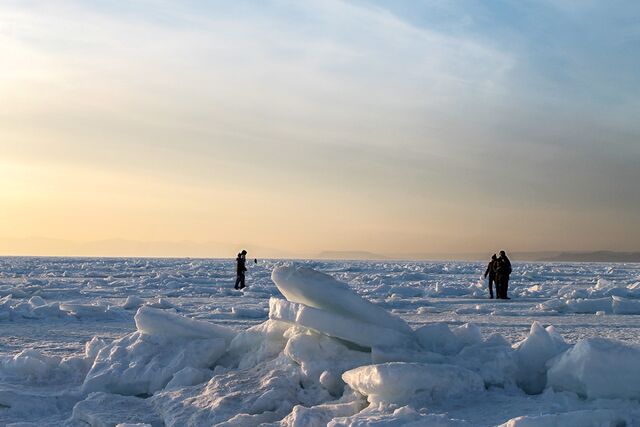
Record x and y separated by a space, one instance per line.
169 342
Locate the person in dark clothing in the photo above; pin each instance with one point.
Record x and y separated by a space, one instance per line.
503 270
241 268
491 272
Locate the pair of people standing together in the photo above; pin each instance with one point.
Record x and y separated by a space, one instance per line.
241 268
498 271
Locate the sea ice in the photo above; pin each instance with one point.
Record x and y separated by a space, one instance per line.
329 357
598 368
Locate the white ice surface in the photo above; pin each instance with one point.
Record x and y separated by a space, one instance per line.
205 355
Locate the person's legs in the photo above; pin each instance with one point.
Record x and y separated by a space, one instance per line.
491 280
505 287
242 281
498 287
237 281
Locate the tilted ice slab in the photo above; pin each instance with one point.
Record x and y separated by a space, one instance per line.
164 345
336 325
318 290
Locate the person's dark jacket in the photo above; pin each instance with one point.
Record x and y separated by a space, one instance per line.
241 264
491 269
503 266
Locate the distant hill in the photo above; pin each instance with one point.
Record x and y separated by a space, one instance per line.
596 256
359 255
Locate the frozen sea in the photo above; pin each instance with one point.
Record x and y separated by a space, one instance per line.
71 352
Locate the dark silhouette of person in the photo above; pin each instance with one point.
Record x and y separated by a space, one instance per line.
240 269
503 270
491 272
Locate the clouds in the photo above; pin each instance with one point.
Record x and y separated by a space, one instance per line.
391 113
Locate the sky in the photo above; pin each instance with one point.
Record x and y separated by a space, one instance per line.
288 127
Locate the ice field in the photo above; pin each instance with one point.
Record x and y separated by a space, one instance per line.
169 342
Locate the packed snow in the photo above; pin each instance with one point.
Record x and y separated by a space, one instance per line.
169 342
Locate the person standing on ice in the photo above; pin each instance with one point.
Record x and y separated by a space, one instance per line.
491 272
503 270
240 269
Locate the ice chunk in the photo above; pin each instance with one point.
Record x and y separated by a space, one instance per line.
336 325
145 361
91 311
34 367
249 313
625 306
265 392
162 303
553 304
532 354
132 302
323 359
437 337
258 343
31 364
320 415
584 418
598 368
140 364
36 301
401 383
404 416
187 377
318 290
153 321
104 409
404 354
494 361
590 306
6 310
468 334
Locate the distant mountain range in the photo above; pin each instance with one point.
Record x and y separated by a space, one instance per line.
597 256
550 256
359 255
